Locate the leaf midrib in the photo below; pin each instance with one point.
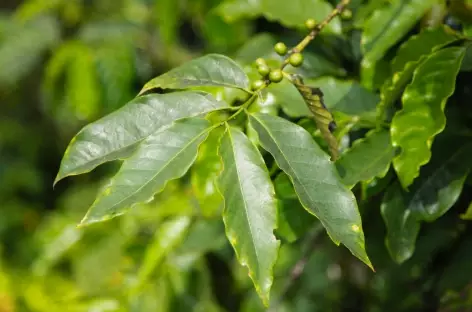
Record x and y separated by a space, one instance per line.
158 172
244 199
294 173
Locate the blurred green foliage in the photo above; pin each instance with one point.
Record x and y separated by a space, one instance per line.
65 63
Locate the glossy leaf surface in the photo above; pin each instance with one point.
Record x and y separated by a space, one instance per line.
410 55
163 156
389 24
250 208
315 180
208 70
116 135
422 117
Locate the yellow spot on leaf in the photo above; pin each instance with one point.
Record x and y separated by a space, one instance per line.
355 228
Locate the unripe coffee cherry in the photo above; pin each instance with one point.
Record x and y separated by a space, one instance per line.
263 70
346 14
296 59
256 85
276 76
310 24
260 61
281 48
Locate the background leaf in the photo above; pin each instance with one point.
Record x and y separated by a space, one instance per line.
315 180
395 19
402 226
293 15
250 211
415 126
432 195
368 158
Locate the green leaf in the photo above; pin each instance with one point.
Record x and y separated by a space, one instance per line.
83 94
468 214
259 45
116 135
388 25
441 181
293 221
432 195
167 14
165 155
166 238
402 226
209 70
368 158
412 53
290 100
250 208
204 174
116 70
422 117
293 15
21 48
346 96
315 180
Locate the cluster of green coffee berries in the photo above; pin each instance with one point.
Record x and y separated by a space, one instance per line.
276 75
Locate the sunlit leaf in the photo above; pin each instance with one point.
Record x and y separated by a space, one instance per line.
209 70
409 56
422 117
368 158
115 136
388 25
250 208
315 180
165 155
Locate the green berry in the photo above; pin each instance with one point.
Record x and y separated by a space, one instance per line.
281 48
256 85
260 61
263 70
310 23
296 59
346 14
276 75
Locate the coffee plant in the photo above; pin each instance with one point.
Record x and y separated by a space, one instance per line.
351 124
